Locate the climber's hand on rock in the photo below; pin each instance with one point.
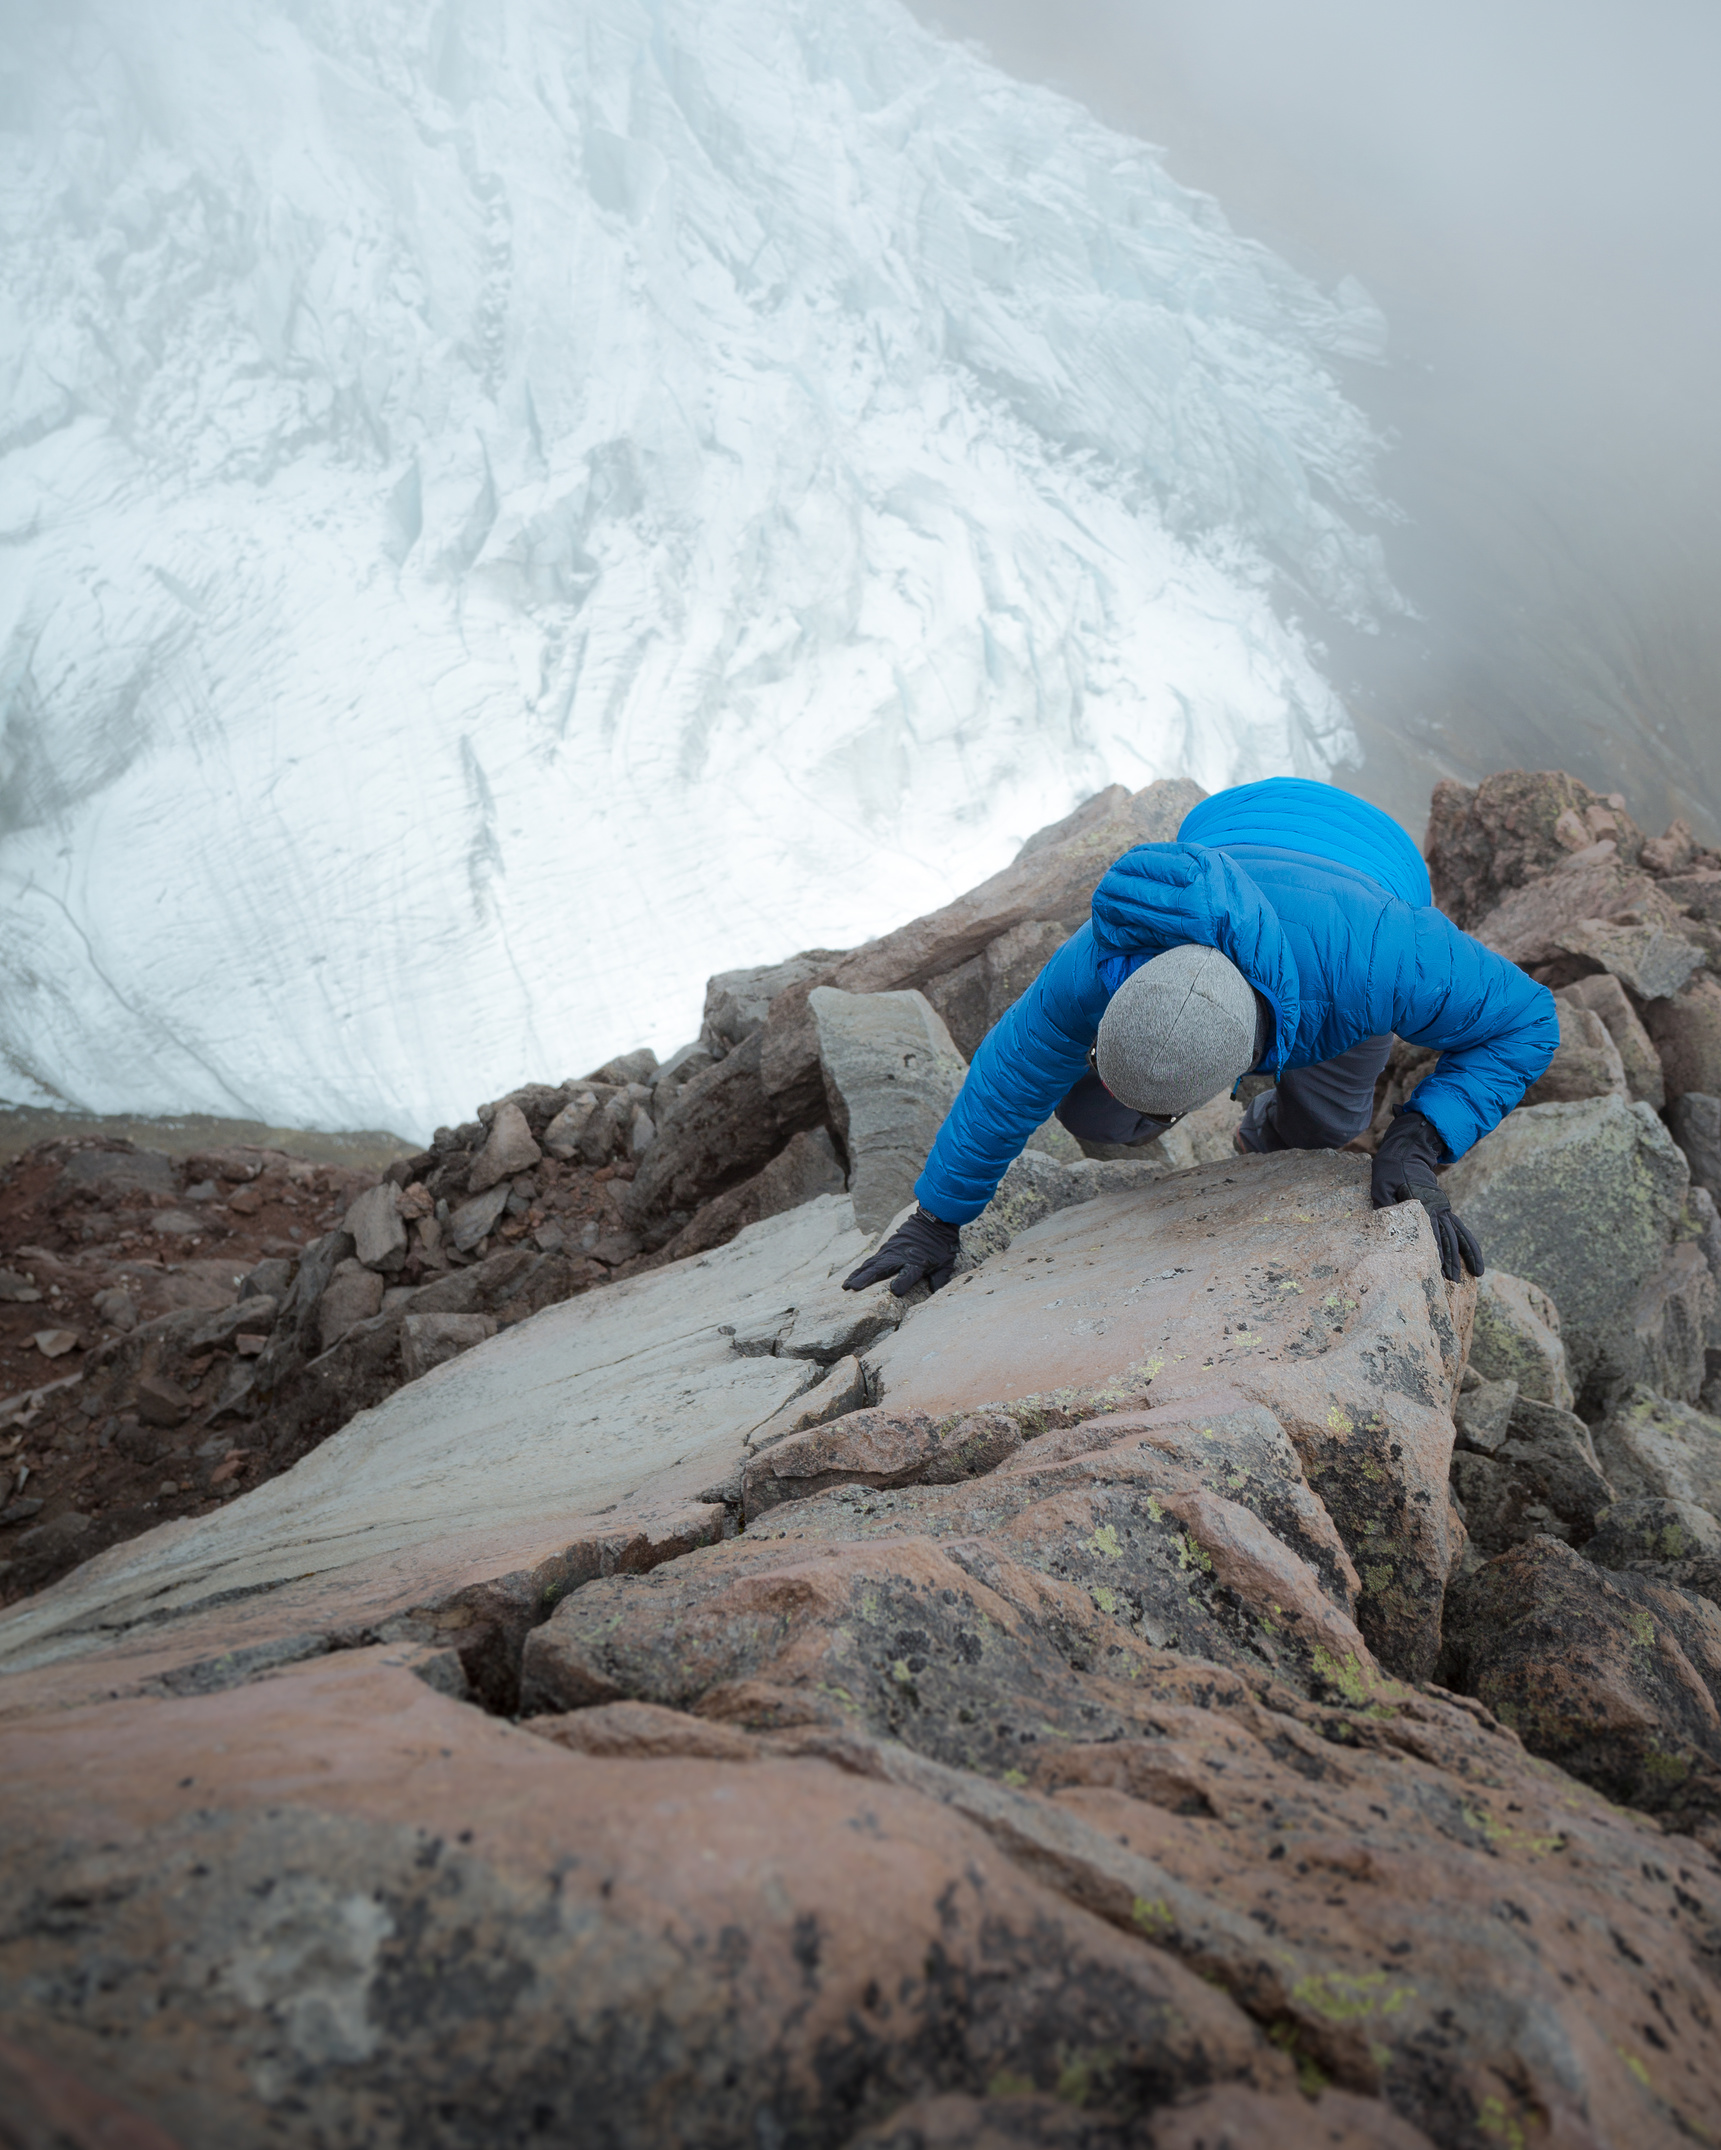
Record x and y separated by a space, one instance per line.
1404 1172
924 1249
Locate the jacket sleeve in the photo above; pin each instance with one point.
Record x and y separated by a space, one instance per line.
1494 1028
1025 1065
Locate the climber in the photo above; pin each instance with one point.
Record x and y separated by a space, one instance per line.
1289 931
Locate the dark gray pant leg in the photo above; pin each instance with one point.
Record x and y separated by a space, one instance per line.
1321 1107
1092 1114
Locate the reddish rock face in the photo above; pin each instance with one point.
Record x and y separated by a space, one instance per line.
1331 1314
1515 828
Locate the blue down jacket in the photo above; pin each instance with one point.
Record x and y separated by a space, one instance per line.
1323 904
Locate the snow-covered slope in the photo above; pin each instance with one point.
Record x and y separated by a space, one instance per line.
507 506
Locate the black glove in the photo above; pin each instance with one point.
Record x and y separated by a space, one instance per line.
1404 1172
923 1248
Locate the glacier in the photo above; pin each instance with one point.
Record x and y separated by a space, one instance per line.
506 509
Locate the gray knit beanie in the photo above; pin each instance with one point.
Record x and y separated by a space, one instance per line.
1178 1031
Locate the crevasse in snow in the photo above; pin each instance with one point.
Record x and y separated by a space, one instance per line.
509 506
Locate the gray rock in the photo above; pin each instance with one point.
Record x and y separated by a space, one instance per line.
17 1289
637 1066
1586 1062
1035 1186
1543 1480
1483 1414
1671 1317
725 1128
1675 1541
245 1317
642 1132
1585 1200
1516 1337
117 1308
842 1390
508 1149
473 1220
1053 1139
564 1136
1708 1243
737 1002
428 1340
1649 958
828 1324
806 1167
1654 1448
374 1220
681 1067
1687 1034
354 1294
1606 997
269 1279
891 1074
1695 1120
1201 1137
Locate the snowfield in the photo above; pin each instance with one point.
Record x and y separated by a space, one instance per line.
508 508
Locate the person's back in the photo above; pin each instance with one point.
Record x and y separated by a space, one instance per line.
1313 909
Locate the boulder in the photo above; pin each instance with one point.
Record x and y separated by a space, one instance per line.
563 1133
1513 829
1483 1412
891 1074
508 1148
1605 996
1652 1447
379 1236
1610 1675
1671 1541
1649 956
1528 926
806 1167
1672 853
1672 1317
737 1002
428 1340
1687 1034
116 1307
725 1129
1516 1337
971 998
1272 1274
638 1066
1707 1219
1202 1137
160 1401
1695 1119
1584 1201
354 1294
1542 1479
474 1221
270 1279
1586 1062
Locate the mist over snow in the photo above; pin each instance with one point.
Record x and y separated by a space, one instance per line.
508 508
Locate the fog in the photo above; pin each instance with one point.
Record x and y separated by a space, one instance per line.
1533 195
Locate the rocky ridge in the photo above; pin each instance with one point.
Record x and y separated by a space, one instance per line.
1199 1679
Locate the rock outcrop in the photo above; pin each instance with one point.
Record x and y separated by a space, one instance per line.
724 1708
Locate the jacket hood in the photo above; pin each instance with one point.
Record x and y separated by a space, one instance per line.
1161 895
